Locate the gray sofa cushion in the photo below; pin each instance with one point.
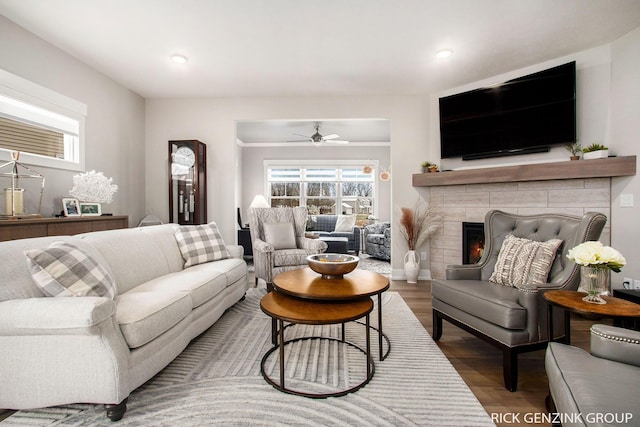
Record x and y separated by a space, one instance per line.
582 384
202 286
134 259
143 316
494 303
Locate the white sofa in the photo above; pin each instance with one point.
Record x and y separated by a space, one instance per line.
61 350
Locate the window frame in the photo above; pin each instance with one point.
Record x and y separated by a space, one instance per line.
339 165
40 97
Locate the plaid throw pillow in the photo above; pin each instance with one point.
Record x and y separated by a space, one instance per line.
64 270
201 243
523 261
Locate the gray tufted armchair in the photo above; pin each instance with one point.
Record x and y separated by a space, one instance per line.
269 261
514 319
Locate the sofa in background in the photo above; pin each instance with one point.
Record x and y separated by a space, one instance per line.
325 225
92 349
377 240
583 386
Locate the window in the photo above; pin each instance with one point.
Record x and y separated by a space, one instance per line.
47 128
339 188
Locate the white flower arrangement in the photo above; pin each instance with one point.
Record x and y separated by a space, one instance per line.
595 254
93 187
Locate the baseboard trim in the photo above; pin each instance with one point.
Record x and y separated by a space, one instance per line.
398 274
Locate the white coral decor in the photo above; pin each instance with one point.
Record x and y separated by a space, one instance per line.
595 254
93 187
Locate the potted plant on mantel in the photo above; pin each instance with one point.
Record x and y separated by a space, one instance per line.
595 151
575 149
429 167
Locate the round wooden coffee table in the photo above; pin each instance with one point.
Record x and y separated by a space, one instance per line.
305 283
285 308
571 301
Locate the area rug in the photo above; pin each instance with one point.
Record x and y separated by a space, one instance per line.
217 381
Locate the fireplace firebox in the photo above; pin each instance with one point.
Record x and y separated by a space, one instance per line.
472 242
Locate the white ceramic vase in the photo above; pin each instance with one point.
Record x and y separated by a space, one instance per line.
411 266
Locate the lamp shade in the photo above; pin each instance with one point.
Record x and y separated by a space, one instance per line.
259 202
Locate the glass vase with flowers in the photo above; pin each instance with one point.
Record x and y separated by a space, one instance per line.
596 262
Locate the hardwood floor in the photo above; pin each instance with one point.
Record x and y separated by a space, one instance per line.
480 364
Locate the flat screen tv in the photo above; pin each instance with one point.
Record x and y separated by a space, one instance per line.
525 115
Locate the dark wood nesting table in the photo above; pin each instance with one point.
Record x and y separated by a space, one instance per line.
306 284
303 296
571 301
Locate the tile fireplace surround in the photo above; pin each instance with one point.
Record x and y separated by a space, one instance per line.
469 202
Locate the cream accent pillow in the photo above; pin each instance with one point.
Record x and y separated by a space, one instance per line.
523 261
345 223
280 235
64 270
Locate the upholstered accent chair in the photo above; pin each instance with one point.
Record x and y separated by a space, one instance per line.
602 381
512 318
279 242
377 240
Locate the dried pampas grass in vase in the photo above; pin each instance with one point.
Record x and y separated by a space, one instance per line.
417 225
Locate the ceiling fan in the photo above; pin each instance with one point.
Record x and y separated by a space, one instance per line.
317 139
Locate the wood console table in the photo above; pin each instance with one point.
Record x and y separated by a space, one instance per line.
13 229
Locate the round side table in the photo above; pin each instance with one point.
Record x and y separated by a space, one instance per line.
571 301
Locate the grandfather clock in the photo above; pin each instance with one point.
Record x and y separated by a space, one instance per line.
187 182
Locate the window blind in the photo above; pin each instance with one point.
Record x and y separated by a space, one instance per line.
19 136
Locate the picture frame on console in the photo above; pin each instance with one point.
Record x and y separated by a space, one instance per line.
90 209
70 207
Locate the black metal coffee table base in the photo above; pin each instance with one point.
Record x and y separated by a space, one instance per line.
281 386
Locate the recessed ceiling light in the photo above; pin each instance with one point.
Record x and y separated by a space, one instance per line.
179 59
444 53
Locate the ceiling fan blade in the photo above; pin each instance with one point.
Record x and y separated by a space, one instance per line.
304 136
336 141
299 140
332 136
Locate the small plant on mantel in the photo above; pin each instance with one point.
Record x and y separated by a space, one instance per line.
575 149
429 167
594 147
595 151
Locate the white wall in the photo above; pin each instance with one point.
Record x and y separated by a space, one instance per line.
625 134
213 121
253 170
119 121
608 103
114 126
593 87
